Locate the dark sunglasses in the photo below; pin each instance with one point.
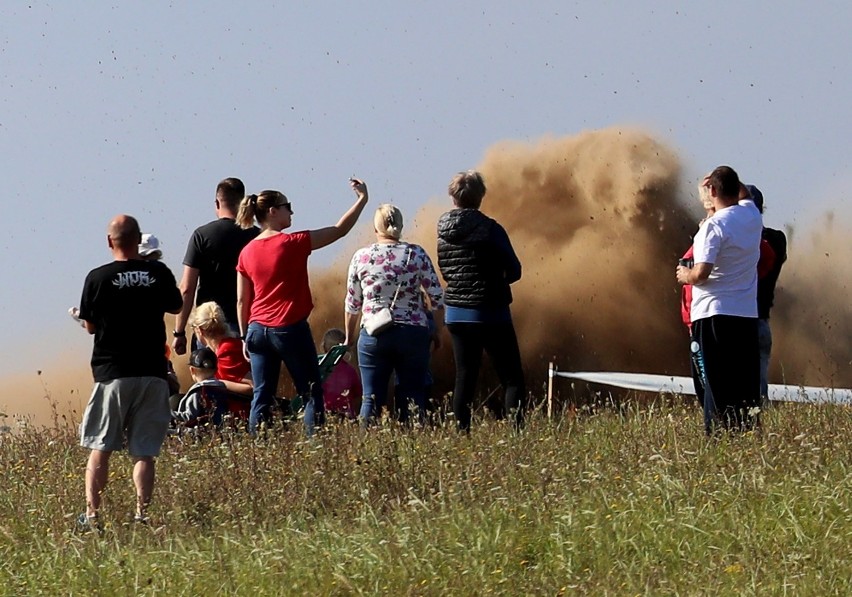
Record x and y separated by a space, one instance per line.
286 204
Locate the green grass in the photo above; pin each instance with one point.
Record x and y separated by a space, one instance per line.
602 502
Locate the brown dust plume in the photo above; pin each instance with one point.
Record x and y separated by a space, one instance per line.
598 226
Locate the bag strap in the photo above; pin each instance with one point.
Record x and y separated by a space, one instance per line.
399 286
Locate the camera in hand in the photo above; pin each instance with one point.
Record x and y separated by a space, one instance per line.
686 262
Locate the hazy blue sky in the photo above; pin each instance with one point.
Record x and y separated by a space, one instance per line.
142 107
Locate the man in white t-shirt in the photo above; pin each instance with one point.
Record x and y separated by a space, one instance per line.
724 304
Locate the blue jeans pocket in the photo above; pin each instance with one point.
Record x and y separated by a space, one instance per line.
252 339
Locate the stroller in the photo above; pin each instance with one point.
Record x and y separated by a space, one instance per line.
292 408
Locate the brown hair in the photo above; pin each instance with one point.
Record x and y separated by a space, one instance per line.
467 189
332 338
726 182
229 191
257 207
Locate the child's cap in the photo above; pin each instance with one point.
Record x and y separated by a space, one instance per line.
150 247
203 358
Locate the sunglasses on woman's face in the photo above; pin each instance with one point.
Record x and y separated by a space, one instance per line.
286 204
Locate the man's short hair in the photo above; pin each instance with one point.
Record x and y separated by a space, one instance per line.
124 232
230 191
756 196
726 182
467 189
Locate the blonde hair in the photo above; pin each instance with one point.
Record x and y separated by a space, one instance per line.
256 207
388 221
704 195
210 318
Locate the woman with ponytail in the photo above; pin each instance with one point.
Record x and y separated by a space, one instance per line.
274 300
391 274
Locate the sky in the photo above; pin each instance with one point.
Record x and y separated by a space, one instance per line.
143 107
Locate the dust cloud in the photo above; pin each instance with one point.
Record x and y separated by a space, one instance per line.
598 220
598 225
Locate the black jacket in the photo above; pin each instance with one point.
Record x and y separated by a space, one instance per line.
766 285
476 260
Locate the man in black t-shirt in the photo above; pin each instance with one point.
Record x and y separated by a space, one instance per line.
123 305
777 241
210 263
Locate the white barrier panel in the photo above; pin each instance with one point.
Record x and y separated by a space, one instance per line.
675 384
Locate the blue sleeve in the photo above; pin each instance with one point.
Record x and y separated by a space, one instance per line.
511 263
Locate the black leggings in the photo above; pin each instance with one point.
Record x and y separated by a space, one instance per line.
501 344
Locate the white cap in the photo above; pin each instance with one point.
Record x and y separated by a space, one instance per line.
150 246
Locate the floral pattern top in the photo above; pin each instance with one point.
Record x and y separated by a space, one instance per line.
376 271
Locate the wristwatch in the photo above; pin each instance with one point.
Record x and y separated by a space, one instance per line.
178 334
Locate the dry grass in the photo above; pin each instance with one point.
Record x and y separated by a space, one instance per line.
605 501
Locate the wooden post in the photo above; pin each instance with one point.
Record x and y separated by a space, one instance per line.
551 371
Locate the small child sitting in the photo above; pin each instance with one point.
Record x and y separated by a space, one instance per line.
201 403
342 387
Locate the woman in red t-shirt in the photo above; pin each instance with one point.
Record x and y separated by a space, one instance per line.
274 300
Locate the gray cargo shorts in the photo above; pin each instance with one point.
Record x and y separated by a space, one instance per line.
131 411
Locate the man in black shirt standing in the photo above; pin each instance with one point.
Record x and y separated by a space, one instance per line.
777 241
123 305
210 263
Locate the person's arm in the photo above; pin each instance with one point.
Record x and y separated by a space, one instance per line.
245 296
695 275
188 284
244 387
350 321
84 314
354 301
511 263
432 286
325 236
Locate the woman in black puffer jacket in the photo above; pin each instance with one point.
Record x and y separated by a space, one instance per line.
478 264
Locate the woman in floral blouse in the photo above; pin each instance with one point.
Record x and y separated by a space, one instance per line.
378 272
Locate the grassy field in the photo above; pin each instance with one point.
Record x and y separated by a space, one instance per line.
601 501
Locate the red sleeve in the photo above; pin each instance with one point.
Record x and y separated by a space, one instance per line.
767 259
303 241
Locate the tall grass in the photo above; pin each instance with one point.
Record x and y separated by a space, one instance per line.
601 501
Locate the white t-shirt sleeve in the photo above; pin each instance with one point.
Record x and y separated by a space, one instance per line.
707 242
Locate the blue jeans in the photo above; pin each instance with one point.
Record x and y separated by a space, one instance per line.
294 345
401 348
764 342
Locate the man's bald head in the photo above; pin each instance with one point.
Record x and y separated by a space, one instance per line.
124 234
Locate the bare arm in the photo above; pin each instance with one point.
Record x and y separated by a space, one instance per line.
695 275
188 284
90 327
351 327
325 236
245 296
244 387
